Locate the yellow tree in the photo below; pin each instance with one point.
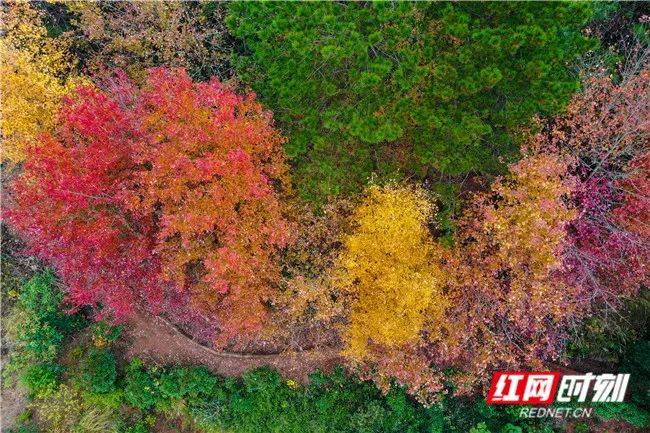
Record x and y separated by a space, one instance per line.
387 269
33 77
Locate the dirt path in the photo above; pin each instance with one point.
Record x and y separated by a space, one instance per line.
14 402
156 340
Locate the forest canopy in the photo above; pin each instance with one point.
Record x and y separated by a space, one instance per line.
408 196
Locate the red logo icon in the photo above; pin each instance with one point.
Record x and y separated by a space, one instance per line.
523 387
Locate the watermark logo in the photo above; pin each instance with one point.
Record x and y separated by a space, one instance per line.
545 387
556 412
520 387
542 388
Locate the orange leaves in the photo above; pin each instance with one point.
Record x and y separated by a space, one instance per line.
175 185
508 304
530 215
494 300
212 156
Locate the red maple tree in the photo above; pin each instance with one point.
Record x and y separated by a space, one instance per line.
145 193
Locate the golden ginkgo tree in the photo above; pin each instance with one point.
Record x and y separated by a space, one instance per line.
387 269
35 73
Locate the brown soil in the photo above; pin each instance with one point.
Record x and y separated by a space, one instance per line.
13 404
154 339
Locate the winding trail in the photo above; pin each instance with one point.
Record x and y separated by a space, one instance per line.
157 340
154 339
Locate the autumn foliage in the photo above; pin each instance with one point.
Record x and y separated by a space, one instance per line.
562 236
167 190
135 36
387 268
508 307
492 301
35 73
607 130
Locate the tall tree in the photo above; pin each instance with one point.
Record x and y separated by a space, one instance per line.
169 189
607 130
389 270
135 36
34 75
381 87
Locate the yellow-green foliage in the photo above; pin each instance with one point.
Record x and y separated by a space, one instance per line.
387 266
33 77
64 411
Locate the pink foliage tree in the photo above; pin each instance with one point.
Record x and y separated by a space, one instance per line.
606 128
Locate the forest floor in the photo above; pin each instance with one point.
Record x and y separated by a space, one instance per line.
14 402
154 339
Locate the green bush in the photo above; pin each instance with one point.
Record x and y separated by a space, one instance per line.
110 400
98 371
262 401
104 333
187 383
41 378
636 363
37 328
384 86
33 323
480 428
140 389
628 412
337 402
138 427
463 414
509 428
25 428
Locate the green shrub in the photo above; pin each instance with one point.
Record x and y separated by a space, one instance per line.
509 428
480 428
636 363
628 412
111 400
98 371
33 323
41 378
138 427
262 401
140 390
105 334
462 414
187 383
37 328
370 419
25 428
